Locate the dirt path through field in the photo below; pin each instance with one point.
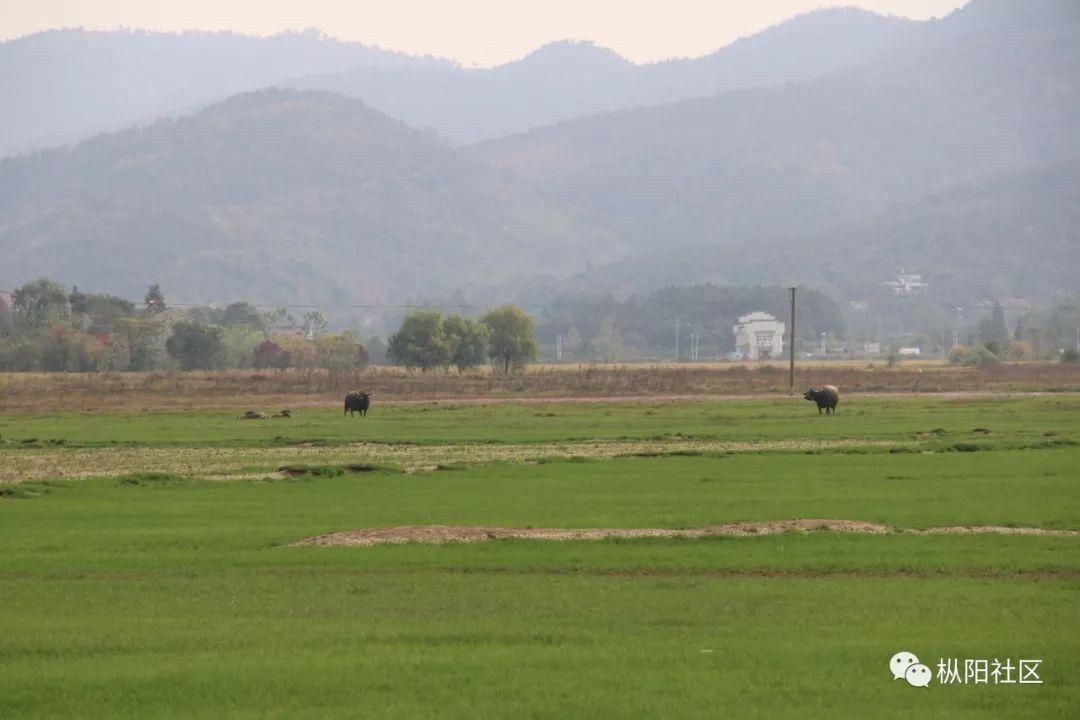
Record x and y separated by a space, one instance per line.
440 534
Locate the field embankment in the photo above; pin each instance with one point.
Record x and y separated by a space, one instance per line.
237 388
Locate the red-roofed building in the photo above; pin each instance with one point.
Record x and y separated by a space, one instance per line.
5 298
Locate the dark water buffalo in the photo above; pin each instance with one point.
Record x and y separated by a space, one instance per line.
826 398
357 402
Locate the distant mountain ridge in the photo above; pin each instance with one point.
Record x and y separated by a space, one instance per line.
565 80
969 97
280 196
63 86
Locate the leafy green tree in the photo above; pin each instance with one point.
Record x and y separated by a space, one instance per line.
140 341
238 344
205 315
993 332
195 347
340 352
301 352
105 311
377 351
1064 320
468 341
20 355
243 313
64 349
279 319
513 340
270 355
421 342
154 299
78 301
39 304
7 323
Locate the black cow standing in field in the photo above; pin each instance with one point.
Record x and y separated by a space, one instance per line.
826 398
357 402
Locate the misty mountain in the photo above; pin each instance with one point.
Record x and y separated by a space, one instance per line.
991 89
566 80
1016 235
280 196
66 85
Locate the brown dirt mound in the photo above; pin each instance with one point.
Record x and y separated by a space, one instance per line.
440 534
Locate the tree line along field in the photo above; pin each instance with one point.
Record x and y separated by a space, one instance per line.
149 565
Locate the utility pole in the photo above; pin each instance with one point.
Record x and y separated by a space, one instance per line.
791 347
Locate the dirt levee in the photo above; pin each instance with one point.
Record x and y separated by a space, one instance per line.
439 534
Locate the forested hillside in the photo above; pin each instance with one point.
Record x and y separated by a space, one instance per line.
992 89
950 150
281 197
1016 235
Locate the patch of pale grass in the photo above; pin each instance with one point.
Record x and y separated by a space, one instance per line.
244 463
441 534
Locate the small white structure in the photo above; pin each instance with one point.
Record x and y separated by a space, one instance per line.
759 336
907 284
909 352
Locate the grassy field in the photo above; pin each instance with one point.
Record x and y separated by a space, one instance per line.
136 582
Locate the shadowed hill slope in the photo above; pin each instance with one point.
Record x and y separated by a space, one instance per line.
1017 235
279 196
989 90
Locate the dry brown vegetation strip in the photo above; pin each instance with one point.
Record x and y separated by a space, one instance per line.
236 388
237 463
440 534
446 533
435 534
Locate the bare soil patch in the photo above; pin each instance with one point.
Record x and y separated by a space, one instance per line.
441 534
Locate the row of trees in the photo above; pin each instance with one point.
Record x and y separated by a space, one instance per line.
203 347
1038 334
49 328
429 341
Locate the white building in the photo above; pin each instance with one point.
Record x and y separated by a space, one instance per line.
759 336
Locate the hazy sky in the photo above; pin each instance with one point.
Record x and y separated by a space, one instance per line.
484 32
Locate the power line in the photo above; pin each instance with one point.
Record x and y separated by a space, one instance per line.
435 306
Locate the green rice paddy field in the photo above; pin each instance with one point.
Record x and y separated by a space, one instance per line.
148 565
